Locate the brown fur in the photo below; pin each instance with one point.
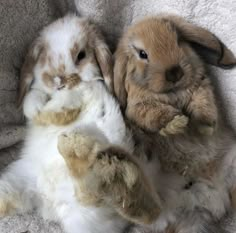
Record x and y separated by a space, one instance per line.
108 175
57 118
156 105
71 81
145 80
102 54
184 111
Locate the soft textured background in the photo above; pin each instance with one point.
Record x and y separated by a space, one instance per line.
20 21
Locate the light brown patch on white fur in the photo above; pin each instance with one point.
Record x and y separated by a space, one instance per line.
74 51
48 79
31 59
8 206
71 81
65 117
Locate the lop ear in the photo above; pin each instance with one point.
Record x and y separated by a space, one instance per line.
26 75
104 59
120 73
205 43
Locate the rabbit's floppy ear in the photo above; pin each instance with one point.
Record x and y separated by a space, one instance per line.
26 75
120 73
104 59
205 43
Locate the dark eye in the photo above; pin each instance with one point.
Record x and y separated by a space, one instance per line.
81 56
142 54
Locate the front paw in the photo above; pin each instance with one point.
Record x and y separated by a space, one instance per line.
84 154
97 169
79 151
176 126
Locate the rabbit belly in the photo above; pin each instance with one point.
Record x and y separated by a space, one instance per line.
55 189
55 184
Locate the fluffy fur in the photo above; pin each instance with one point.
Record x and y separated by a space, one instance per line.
41 179
75 166
161 81
68 46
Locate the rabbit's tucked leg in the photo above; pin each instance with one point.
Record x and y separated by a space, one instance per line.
203 110
108 175
158 117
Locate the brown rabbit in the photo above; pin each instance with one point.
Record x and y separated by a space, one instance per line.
160 66
164 89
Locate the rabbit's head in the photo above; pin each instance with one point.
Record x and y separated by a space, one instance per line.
70 45
165 54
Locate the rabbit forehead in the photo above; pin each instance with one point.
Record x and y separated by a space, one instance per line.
65 34
156 36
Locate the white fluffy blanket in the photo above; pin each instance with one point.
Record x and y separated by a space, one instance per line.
20 21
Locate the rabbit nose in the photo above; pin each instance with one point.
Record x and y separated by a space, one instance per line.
174 74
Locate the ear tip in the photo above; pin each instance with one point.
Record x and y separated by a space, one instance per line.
228 60
227 66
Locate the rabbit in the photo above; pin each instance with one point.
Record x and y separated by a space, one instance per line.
75 166
164 88
70 45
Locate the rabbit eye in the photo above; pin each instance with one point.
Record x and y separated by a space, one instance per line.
142 54
81 56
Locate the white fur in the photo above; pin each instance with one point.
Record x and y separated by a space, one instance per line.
34 102
40 178
58 39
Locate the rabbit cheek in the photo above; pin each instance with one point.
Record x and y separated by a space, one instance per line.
88 70
48 80
139 74
158 84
